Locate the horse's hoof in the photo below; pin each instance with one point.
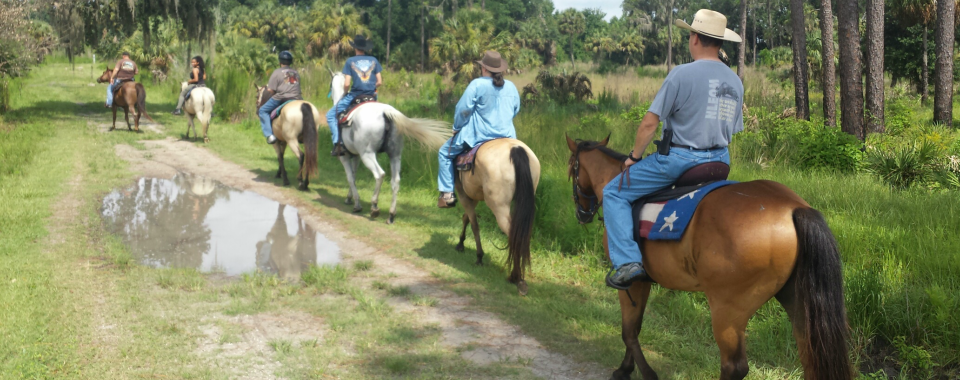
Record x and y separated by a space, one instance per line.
374 213
479 262
390 220
357 210
278 175
348 201
522 287
286 183
459 247
206 140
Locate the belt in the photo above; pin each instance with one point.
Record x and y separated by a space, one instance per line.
692 148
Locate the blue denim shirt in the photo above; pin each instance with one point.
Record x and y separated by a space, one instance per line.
486 112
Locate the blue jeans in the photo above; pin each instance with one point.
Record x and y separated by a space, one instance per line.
448 153
110 89
652 173
264 114
332 116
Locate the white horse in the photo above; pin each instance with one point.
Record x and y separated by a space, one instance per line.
200 105
379 128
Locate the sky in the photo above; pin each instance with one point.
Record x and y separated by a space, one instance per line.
610 7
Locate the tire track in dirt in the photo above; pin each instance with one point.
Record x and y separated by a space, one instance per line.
482 337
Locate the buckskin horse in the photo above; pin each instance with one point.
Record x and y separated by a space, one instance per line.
746 243
296 123
504 171
373 128
131 96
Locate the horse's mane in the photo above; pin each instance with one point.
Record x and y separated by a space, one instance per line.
588 145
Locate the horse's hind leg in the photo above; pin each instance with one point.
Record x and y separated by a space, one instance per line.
729 313
281 147
632 322
126 118
350 167
302 174
370 161
470 213
190 126
394 185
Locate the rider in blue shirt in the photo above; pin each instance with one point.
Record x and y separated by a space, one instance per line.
360 71
484 112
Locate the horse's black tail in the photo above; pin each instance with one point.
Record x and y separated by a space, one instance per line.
521 222
142 101
309 135
819 293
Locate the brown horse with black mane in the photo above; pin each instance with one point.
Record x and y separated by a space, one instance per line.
131 96
747 243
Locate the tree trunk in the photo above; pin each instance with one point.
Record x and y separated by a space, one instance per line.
943 85
574 63
483 4
742 56
800 66
669 37
423 40
874 57
829 66
552 53
851 80
455 7
769 28
389 26
754 13
925 71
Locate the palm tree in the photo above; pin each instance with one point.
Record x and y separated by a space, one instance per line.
572 24
800 66
851 81
943 85
829 67
599 44
630 43
874 56
464 39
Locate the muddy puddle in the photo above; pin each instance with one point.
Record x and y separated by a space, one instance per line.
195 222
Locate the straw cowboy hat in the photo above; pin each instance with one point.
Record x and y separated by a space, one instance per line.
710 24
493 62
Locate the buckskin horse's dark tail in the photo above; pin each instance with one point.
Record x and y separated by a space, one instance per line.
309 135
142 101
521 222
820 310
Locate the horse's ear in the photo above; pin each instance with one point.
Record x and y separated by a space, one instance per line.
606 140
571 144
332 74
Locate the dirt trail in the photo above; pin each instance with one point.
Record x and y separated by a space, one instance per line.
482 336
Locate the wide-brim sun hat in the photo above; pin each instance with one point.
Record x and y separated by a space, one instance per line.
711 24
493 62
361 43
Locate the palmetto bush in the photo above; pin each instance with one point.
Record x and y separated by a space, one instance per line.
905 165
561 88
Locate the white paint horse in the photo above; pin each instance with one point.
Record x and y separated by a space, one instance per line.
376 127
199 106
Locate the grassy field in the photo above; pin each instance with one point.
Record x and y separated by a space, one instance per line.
902 270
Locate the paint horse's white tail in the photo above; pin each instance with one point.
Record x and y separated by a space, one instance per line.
431 133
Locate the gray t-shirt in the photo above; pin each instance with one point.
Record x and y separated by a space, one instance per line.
285 82
703 102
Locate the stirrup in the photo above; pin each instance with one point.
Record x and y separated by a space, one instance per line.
610 283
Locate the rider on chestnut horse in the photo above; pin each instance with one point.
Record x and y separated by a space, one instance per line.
124 71
702 119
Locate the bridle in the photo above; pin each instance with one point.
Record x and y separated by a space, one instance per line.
584 216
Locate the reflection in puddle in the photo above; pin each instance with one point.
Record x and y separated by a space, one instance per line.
194 222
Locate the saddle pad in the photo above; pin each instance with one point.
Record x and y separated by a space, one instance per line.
346 114
668 219
276 112
190 91
464 161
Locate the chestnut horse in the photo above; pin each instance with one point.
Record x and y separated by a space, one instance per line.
131 96
746 243
505 171
297 123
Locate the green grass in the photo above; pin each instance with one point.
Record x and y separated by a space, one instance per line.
901 269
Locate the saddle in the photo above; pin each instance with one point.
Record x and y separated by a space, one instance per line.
357 102
464 161
648 212
190 91
276 113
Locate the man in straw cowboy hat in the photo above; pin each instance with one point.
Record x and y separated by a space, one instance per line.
362 78
484 112
701 102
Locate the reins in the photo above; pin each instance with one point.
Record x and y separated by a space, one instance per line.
594 201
